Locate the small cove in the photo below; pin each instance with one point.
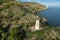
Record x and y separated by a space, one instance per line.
52 14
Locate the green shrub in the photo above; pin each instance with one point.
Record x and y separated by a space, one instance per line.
2 1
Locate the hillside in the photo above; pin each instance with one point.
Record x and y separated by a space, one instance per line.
15 15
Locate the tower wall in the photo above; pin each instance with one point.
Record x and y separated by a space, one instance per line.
37 25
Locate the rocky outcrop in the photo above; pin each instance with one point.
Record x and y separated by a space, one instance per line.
44 20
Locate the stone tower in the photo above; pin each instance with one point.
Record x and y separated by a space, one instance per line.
37 24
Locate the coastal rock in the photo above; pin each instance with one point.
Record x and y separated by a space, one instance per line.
44 21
